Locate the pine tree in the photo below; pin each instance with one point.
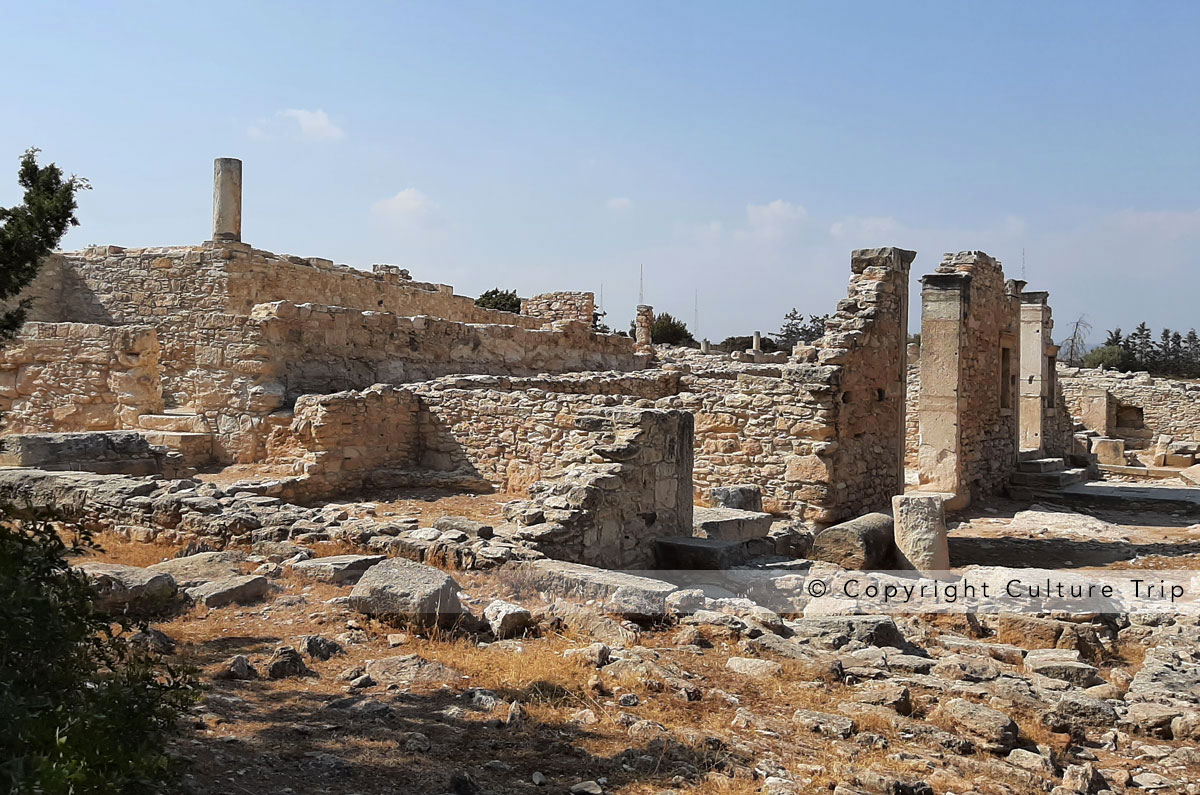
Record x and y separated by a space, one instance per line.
1141 347
31 230
1191 354
1114 337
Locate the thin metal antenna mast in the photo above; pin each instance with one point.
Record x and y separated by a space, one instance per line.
641 284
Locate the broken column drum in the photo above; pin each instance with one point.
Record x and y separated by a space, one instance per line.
227 199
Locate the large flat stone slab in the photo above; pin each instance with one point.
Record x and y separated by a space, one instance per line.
706 554
730 524
204 567
337 569
625 594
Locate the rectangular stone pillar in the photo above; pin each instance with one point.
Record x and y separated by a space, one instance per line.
227 199
1035 380
944 302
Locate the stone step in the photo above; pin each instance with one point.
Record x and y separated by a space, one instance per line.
174 422
730 524
1041 465
196 448
680 553
1049 480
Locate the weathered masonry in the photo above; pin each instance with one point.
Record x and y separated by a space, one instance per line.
321 380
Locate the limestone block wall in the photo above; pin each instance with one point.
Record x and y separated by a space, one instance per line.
216 359
912 425
341 440
548 307
79 377
315 348
1159 405
507 431
635 486
257 276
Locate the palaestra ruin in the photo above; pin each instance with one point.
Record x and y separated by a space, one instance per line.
313 380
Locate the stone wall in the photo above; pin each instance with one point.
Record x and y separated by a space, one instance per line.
219 362
1141 406
912 424
549 307
632 488
314 348
970 359
509 432
257 277
79 377
824 435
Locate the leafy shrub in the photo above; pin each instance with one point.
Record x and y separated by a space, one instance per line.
503 300
80 710
1110 357
670 330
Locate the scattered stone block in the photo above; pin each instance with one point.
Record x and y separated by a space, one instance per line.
920 532
506 619
730 524
128 588
337 569
401 590
860 544
198 569
749 666
240 590
989 729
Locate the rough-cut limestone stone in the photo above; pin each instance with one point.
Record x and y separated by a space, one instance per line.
836 631
104 452
128 588
988 728
749 666
743 497
730 524
337 569
400 590
506 619
240 590
623 594
920 532
862 543
194 570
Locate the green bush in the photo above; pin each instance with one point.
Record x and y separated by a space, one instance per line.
670 330
1110 357
80 710
503 300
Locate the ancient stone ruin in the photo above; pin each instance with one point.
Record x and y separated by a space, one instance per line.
261 415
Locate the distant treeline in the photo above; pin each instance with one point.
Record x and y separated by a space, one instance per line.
1172 354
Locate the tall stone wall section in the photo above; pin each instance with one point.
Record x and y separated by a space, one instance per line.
578 307
68 377
314 348
824 435
1167 406
970 355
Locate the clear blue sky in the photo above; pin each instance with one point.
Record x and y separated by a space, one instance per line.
740 150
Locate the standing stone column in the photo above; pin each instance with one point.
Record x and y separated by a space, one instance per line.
944 300
705 346
757 346
1036 327
227 199
643 324
920 531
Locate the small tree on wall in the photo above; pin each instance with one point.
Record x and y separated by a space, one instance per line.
31 230
503 300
